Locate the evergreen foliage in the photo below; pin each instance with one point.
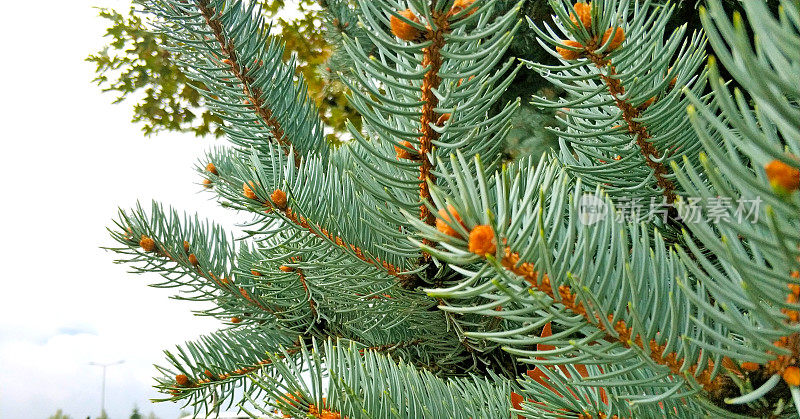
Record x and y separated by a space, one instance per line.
413 271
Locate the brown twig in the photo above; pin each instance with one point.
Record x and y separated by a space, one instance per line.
431 58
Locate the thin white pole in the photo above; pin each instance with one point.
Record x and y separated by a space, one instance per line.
103 388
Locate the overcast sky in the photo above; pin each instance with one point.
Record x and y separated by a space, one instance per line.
69 159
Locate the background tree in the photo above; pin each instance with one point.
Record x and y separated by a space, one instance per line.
416 256
60 415
135 414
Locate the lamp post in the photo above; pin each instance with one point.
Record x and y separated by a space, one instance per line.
103 389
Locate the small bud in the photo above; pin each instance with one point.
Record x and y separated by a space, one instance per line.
212 169
147 243
674 80
207 183
209 374
584 12
255 273
482 240
182 380
402 153
442 119
793 315
286 268
279 198
402 29
451 216
750 366
569 54
782 177
461 5
248 191
516 400
227 61
792 376
619 38
461 81
235 320
186 246
193 260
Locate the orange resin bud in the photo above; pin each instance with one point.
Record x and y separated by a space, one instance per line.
193 260
461 81
451 216
792 376
750 366
212 169
248 191
569 54
147 244
584 12
207 183
279 198
182 380
461 5
516 400
209 374
482 240
793 315
235 320
619 38
402 153
782 176
186 246
403 29
255 273
286 268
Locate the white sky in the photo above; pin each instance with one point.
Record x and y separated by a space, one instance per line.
69 159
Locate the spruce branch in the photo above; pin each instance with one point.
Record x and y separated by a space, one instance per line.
202 374
366 383
427 86
622 118
226 47
301 196
617 300
253 93
631 115
756 160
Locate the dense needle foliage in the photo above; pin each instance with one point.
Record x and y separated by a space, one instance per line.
642 263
